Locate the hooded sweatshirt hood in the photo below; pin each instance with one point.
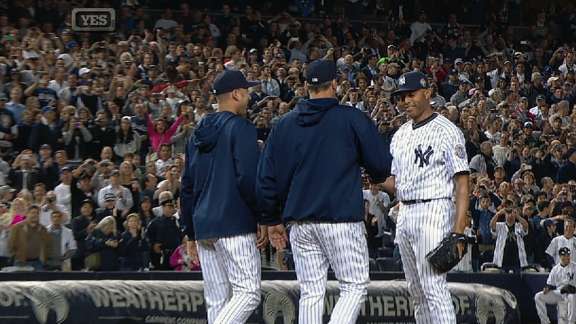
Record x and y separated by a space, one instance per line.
207 133
311 111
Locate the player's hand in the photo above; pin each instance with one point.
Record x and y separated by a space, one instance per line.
277 236
157 248
461 247
390 185
192 251
261 236
545 290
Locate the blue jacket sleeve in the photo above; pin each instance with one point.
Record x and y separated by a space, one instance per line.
245 154
187 195
374 154
266 185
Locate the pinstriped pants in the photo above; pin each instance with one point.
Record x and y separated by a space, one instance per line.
343 247
231 272
420 229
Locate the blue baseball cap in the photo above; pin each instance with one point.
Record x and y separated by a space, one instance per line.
320 71
564 251
411 81
230 80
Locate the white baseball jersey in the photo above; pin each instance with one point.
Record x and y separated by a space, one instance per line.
465 264
501 233
375 201
559 242
426 156
560 276
566 305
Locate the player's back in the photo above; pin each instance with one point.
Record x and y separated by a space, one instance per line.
218 183
316 152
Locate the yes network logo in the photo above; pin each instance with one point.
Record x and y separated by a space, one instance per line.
94 19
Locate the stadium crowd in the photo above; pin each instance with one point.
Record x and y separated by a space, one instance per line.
93 126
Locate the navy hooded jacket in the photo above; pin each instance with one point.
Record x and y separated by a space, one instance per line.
218 186
310 167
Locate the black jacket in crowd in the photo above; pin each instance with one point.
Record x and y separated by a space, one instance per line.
164 230
134 252
96 243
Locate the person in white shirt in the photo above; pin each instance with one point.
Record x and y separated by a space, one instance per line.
567 240
62 191
509 253
465 264
378 203
479 162
419 29
50 206
64 244
124 199
561 275
537 111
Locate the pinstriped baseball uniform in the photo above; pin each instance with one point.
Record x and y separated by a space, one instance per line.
558 277
317 246
231 270
426 157
559 242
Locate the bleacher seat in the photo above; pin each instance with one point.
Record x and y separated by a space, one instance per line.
388 264
373 265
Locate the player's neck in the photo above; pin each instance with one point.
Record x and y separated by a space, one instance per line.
423 116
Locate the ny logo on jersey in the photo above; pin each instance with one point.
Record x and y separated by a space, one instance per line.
570 276
423 157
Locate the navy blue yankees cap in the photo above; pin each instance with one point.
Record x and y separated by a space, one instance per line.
564 251
320 71
411 81
229 80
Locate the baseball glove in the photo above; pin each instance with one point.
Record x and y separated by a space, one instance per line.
568 289
445 256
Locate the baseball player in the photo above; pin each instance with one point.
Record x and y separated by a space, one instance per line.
567 240
557 290
429 170
309 177
219 203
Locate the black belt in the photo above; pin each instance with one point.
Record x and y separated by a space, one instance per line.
419 201
310 221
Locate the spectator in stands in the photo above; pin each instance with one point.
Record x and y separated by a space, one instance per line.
127 141
164 236
24 174
5 257
181 260
544 239
510 254
64 193
49 206
159 133
566 240
82 227
124 201
29 241
63 244
103 241
134 246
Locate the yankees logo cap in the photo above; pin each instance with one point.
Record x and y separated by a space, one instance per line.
564 251
230 80
320 71
411 81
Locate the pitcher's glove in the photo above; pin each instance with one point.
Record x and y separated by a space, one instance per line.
568 289
446 255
